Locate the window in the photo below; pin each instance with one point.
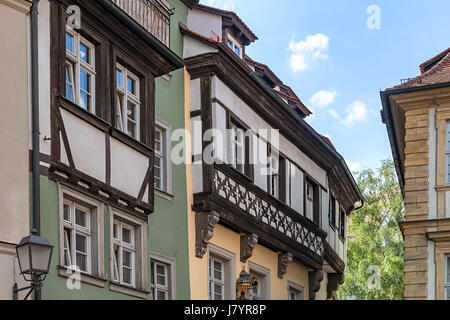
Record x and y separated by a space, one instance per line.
77 236
235 46
332 212
159 159
237 148
216 279
274 174
447 278
295 292
342 218
163 165
309 200
124 253
80 71
447 153
127 102
262 277
160 281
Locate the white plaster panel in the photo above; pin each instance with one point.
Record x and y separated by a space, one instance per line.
207 24
325 208
128 168
87 145
219 122
195 96
297 189
196 143
260 163
193 47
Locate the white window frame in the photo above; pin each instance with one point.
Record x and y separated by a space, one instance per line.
170 265
123 246
274 175
123 98
298 290
447 277
237 147
235 45
229 260
262 275
74 59
140 247
166 171
213 281
96 210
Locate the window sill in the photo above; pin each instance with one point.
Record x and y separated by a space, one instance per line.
120 288
164 195
132 142
85 278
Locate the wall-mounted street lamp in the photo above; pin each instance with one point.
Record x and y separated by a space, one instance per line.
244 284
34 254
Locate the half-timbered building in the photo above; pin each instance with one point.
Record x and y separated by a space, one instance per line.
104 147
275 205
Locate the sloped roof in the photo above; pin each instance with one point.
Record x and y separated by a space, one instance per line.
230 14
434 71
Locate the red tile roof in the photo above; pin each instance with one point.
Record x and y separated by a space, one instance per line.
434 71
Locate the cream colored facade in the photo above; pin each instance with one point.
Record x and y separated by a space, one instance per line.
14 138
426 191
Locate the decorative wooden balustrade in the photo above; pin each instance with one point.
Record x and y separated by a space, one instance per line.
249 209
153 15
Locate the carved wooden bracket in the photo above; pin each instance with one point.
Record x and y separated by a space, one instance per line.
283 260
248 243
204 230
334 281
314 278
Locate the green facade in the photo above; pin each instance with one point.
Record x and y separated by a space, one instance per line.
167 226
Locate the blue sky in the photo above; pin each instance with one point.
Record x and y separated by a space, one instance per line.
325 51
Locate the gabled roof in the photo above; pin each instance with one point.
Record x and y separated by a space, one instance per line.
234 18
434 71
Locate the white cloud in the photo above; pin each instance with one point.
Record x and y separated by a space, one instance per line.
353 166
323 98
304 52
356 112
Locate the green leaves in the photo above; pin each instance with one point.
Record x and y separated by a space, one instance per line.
375 244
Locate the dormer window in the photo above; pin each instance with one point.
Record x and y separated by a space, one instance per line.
235 46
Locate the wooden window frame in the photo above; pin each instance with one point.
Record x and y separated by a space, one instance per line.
332 211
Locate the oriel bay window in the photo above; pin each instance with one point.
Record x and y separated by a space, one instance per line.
127 102
80 71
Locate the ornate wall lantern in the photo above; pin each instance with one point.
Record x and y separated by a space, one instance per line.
34 254
244 284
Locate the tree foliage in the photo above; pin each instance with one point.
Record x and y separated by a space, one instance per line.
375 245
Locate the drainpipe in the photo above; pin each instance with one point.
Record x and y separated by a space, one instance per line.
35 125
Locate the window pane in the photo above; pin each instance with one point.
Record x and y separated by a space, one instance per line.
119 78
81 243
116 231
131 85
84 80
69 81
66 212
162 295
158 145
152 272
80 218
237 51
448 270
230 45
217 292
82 262
69 43
84 53
131 129
126 235
217 270
127 276
126 257
161 280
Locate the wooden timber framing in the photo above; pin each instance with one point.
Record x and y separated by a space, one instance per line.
238 77
115 41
